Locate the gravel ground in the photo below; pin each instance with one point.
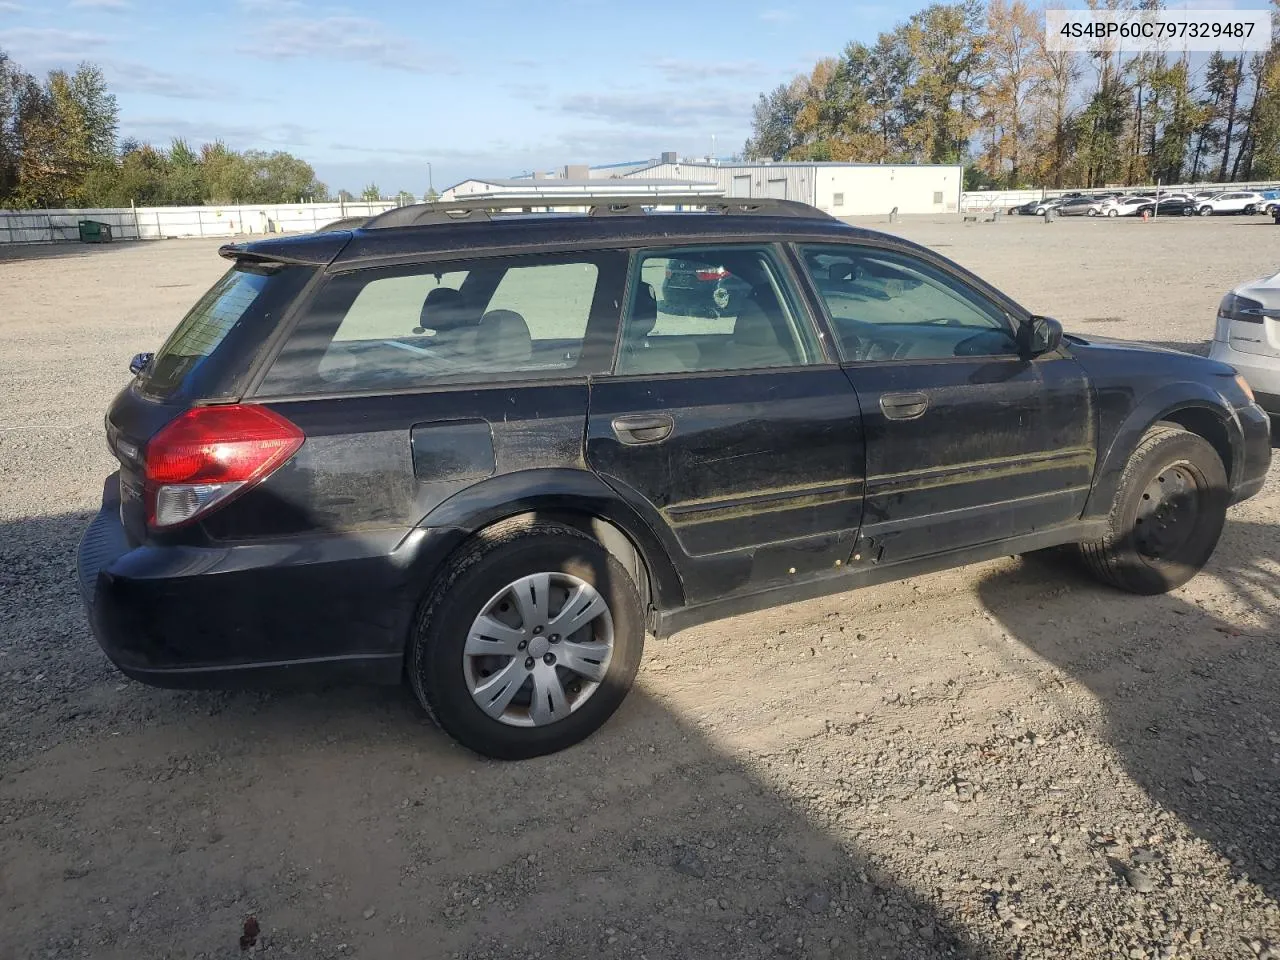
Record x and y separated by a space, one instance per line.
999 761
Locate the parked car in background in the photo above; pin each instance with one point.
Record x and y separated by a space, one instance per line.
1174 206
1038 207
1234 201
474 453
1120 206
700 288
1247 336
1075 207
1270 201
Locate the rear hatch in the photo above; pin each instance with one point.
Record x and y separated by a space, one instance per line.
1254 318
206 360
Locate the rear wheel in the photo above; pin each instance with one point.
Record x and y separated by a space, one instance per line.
1167 516
1250 210
1113 213
529 642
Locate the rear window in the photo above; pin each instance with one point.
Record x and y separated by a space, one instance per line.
247 295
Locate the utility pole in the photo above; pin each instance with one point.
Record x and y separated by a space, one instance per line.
431 183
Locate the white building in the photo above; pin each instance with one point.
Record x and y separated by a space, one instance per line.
526 187
841 189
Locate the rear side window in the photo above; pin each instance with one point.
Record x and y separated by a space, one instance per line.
247 296
499 319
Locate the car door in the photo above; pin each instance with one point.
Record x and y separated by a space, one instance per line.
727 424
968 440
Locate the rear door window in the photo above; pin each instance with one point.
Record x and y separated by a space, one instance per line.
476 321
724 307
244 303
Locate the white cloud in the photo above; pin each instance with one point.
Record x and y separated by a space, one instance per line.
244 136
356 39
777 16
43 47
114 6
677 70
658 110
269 6
130 77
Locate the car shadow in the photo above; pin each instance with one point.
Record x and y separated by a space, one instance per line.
62 250
1188 698
142 823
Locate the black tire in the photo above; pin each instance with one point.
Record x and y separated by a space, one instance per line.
507 552
1206 211
1250 210
1122 556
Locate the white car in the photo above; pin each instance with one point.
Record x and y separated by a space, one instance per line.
1120 206
1247 336
1234 201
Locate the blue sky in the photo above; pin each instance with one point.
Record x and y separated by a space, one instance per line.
376 91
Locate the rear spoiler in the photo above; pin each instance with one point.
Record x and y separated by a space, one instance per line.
309 250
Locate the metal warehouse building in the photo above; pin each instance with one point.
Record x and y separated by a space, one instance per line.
841 189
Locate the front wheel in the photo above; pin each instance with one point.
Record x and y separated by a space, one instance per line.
1206 211
1168 513
529 642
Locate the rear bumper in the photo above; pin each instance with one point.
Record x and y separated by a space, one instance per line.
1261 372
302 610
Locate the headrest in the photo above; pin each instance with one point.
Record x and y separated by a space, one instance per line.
503 338
644 314
443 309
753 328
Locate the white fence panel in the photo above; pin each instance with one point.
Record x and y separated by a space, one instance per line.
156 223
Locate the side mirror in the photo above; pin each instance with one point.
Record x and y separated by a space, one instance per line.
1039 335
140 362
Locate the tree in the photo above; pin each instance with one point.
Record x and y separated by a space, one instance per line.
773 122
404 198
1013 70
945 43
371 193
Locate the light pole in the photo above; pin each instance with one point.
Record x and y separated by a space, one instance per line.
431 183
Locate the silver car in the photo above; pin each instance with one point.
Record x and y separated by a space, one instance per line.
1247 336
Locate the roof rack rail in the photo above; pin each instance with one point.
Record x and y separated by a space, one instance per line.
469 211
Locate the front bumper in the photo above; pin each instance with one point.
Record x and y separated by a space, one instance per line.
1251 474
1261 372
307 609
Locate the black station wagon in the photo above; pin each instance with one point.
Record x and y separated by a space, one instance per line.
478 451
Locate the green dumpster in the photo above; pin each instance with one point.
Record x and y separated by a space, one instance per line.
94 231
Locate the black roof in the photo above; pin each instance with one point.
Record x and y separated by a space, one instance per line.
547 232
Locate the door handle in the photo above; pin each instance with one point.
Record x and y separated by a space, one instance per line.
652 428
903 406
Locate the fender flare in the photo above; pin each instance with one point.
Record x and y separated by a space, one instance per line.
559 493
1165 403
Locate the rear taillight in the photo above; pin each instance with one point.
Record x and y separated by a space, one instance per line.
209 455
